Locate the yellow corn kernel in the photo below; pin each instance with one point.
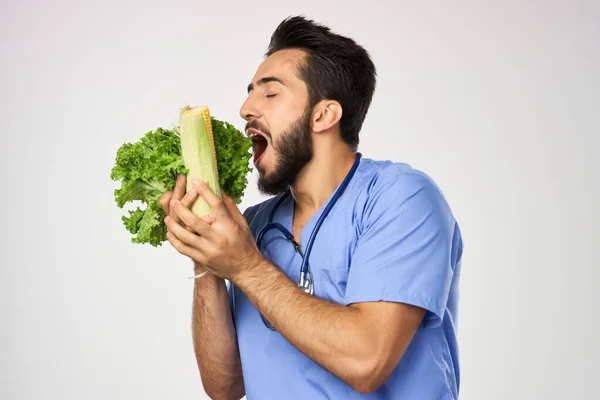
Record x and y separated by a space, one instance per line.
206 115
204 111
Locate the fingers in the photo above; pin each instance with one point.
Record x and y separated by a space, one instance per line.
177 193
189 198
179 190
182 213
187 201
164 200
233 209
181 246
217 207
182 234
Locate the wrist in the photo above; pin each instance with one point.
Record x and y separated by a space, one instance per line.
198 269
255 267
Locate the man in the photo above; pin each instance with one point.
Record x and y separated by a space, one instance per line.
378 317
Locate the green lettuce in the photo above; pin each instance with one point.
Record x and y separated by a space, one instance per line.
148 167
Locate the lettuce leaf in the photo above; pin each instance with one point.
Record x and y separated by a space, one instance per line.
148 167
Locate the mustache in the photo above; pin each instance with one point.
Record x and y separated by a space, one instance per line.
254 124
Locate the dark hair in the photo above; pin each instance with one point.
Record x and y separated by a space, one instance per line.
336 68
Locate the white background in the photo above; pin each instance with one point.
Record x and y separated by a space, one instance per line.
497 101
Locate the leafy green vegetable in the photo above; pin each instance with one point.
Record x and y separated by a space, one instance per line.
150 166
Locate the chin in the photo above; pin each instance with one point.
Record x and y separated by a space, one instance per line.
265 167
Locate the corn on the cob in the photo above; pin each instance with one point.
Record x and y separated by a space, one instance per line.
199 154
206 115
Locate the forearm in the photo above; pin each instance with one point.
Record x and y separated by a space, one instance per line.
334 336
215 342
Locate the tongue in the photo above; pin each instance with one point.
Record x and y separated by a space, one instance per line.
258 147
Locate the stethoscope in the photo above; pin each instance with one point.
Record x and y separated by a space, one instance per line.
305 281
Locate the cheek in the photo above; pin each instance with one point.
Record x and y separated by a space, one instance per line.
276 117
281 115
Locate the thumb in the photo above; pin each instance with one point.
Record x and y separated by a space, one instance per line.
233 209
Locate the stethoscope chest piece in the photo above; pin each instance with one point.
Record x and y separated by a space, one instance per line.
306 282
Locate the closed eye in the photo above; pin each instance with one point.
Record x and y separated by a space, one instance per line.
270 95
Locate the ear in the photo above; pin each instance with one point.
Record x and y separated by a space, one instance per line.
326 114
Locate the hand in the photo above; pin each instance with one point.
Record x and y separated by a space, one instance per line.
170 196
221 241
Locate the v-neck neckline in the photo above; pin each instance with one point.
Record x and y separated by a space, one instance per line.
289 212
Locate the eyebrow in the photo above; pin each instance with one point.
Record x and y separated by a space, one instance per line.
264 80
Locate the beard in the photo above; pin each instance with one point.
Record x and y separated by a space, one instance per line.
293 150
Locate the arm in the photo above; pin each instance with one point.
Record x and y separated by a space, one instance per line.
213 334
398 282
399 279
361 343
215 342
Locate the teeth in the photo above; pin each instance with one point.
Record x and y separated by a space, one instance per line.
253 135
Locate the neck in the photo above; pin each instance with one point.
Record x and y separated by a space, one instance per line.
320 178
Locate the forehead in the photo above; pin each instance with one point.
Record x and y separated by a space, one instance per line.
283 64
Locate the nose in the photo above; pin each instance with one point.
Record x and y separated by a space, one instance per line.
248 110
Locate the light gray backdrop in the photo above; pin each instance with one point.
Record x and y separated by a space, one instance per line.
497 100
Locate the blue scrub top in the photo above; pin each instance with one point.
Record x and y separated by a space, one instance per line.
391 236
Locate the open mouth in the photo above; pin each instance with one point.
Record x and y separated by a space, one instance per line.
259 144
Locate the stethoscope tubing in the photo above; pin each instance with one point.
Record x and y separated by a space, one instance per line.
325 213
290 237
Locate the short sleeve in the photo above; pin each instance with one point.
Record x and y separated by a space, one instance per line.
404 250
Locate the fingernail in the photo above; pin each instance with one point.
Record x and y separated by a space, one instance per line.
196 182
167 219
192 192
172 203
